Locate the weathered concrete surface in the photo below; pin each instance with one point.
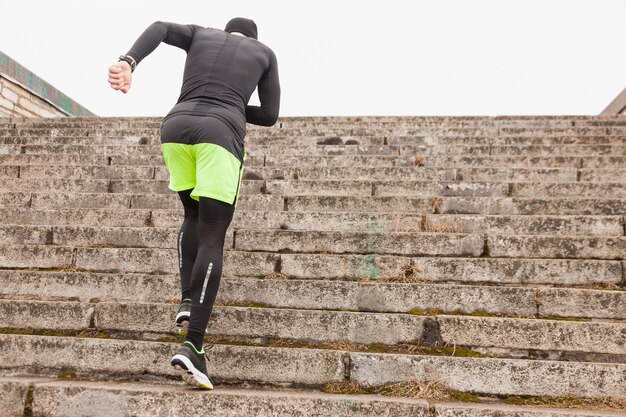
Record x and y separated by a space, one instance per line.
359 204
379 297
30 159
14 199
35 256
78 217
497 410
603 175
502 271
164 261
568 302
7 172
530 206
57 315
60 185
85 286
326 188
90 172
20 235
130 358
433 244
557 247
546 335
13 396
79 200
172 201
67 399
554 225
577 189
494 376
138 237
254 322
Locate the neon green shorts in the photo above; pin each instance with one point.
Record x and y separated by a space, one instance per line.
209 169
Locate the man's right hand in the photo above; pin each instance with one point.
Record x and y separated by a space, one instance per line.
120 76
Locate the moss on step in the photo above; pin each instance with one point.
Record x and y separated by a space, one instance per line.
570 401
427 390
564 318
434 390
70 375
405 348
90 332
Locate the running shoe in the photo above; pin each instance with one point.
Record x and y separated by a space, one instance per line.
182 317
192 364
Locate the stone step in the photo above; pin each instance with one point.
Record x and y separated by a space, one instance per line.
422 174
287 138
372 328
80 217
500 139
46 200
311 150
327 128
385 297
85 172
112 185
342 188
405 188
381 222
55 398
246 323
252 324
514 150
457 205
495 376
78 159
522 206
566 272
482 270
93 236
315 367
132 358
412 244
330 128
329 203
451 161
551 336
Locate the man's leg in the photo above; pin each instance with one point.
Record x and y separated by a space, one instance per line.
213 221
187 242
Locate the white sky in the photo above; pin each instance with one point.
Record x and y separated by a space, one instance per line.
345 57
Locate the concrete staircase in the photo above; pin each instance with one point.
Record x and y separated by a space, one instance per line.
435 266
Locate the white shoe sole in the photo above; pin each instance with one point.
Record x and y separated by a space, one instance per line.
191 375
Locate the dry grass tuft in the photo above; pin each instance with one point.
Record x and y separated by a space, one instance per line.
436 203
448 226
419 161
610 286
347 387
275 275
571 401
409 273
432 390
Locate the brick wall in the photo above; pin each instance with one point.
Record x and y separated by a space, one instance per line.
16 101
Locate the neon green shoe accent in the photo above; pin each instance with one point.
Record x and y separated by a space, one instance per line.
194 348
209 169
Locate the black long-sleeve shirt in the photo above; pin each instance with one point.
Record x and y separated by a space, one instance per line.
221 72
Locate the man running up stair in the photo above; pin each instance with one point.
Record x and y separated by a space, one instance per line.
202 141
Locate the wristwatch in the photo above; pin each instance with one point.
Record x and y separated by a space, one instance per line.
130 60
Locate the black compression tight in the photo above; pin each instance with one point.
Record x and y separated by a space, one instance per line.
200 254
